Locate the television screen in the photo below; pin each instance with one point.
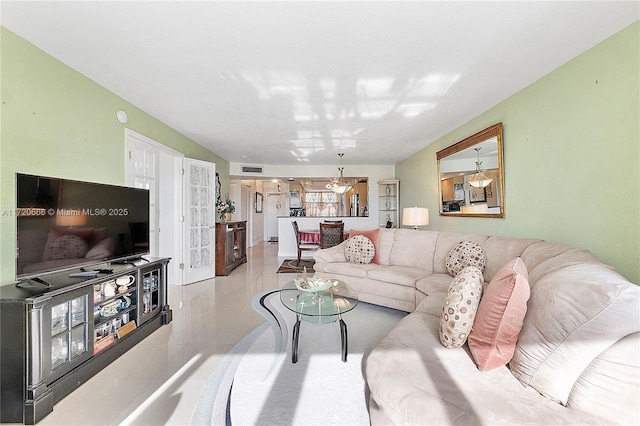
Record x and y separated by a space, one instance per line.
64 224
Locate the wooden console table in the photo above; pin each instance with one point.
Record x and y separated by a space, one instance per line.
231 246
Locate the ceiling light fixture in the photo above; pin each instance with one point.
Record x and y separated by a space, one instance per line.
478 179
339 186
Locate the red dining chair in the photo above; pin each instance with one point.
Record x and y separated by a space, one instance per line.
302 246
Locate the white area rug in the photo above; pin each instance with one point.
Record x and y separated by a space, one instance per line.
257 384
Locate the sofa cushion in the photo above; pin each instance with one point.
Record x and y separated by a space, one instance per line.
435 283
609 386
460 306
465 253
385 241
373 235
499 319
432 304
559 260
575 313
500 250
404 275
413 248
538 252
359 249
415 380
344 268
331 254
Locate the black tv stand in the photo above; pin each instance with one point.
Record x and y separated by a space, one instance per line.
36 280
57 334
129 261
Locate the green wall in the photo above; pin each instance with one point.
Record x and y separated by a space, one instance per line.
57 122
571 152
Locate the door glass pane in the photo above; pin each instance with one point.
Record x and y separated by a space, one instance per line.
78 341
78 310
59 318
59 350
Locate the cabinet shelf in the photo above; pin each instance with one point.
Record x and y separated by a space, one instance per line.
388 203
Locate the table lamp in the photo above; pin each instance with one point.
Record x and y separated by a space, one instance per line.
415 216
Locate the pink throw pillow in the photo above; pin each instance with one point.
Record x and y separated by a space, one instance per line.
373 235
500 315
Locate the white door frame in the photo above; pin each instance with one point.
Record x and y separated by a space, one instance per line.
169 178
272 213
249 212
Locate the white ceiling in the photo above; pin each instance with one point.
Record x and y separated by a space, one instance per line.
290 82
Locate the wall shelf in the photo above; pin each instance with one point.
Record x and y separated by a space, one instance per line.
388 203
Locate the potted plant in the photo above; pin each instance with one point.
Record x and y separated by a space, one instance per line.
225 208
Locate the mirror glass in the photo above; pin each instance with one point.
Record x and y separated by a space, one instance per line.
471 175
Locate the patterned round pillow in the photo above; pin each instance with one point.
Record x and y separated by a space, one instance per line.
460 307
68 247
466 253
359 249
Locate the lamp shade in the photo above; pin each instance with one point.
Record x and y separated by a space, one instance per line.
340 189
71 218
415 216
479 180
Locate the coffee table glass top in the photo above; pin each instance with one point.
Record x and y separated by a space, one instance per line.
333 302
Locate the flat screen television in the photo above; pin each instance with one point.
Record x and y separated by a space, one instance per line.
64 224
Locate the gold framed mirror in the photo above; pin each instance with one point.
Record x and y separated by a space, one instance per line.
471 175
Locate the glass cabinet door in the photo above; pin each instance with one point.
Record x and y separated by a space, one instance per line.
69 330
150 296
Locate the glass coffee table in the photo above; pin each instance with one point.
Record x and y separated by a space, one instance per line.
319 307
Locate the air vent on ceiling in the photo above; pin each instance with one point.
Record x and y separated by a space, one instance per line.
252 169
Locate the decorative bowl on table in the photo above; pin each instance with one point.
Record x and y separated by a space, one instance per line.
313 284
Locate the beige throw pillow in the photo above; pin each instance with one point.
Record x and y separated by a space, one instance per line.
465 253
460 306
359 249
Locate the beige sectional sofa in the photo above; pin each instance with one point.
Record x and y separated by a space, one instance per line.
577 358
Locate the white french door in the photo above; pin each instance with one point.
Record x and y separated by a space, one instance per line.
199 226
142 172
154 166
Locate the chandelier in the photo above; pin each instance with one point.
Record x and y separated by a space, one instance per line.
478 179
338 185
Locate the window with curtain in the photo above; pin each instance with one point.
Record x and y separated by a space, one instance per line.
321 204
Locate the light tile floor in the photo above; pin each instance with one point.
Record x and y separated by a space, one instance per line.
159 380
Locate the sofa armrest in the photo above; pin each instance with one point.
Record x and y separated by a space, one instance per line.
331 254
